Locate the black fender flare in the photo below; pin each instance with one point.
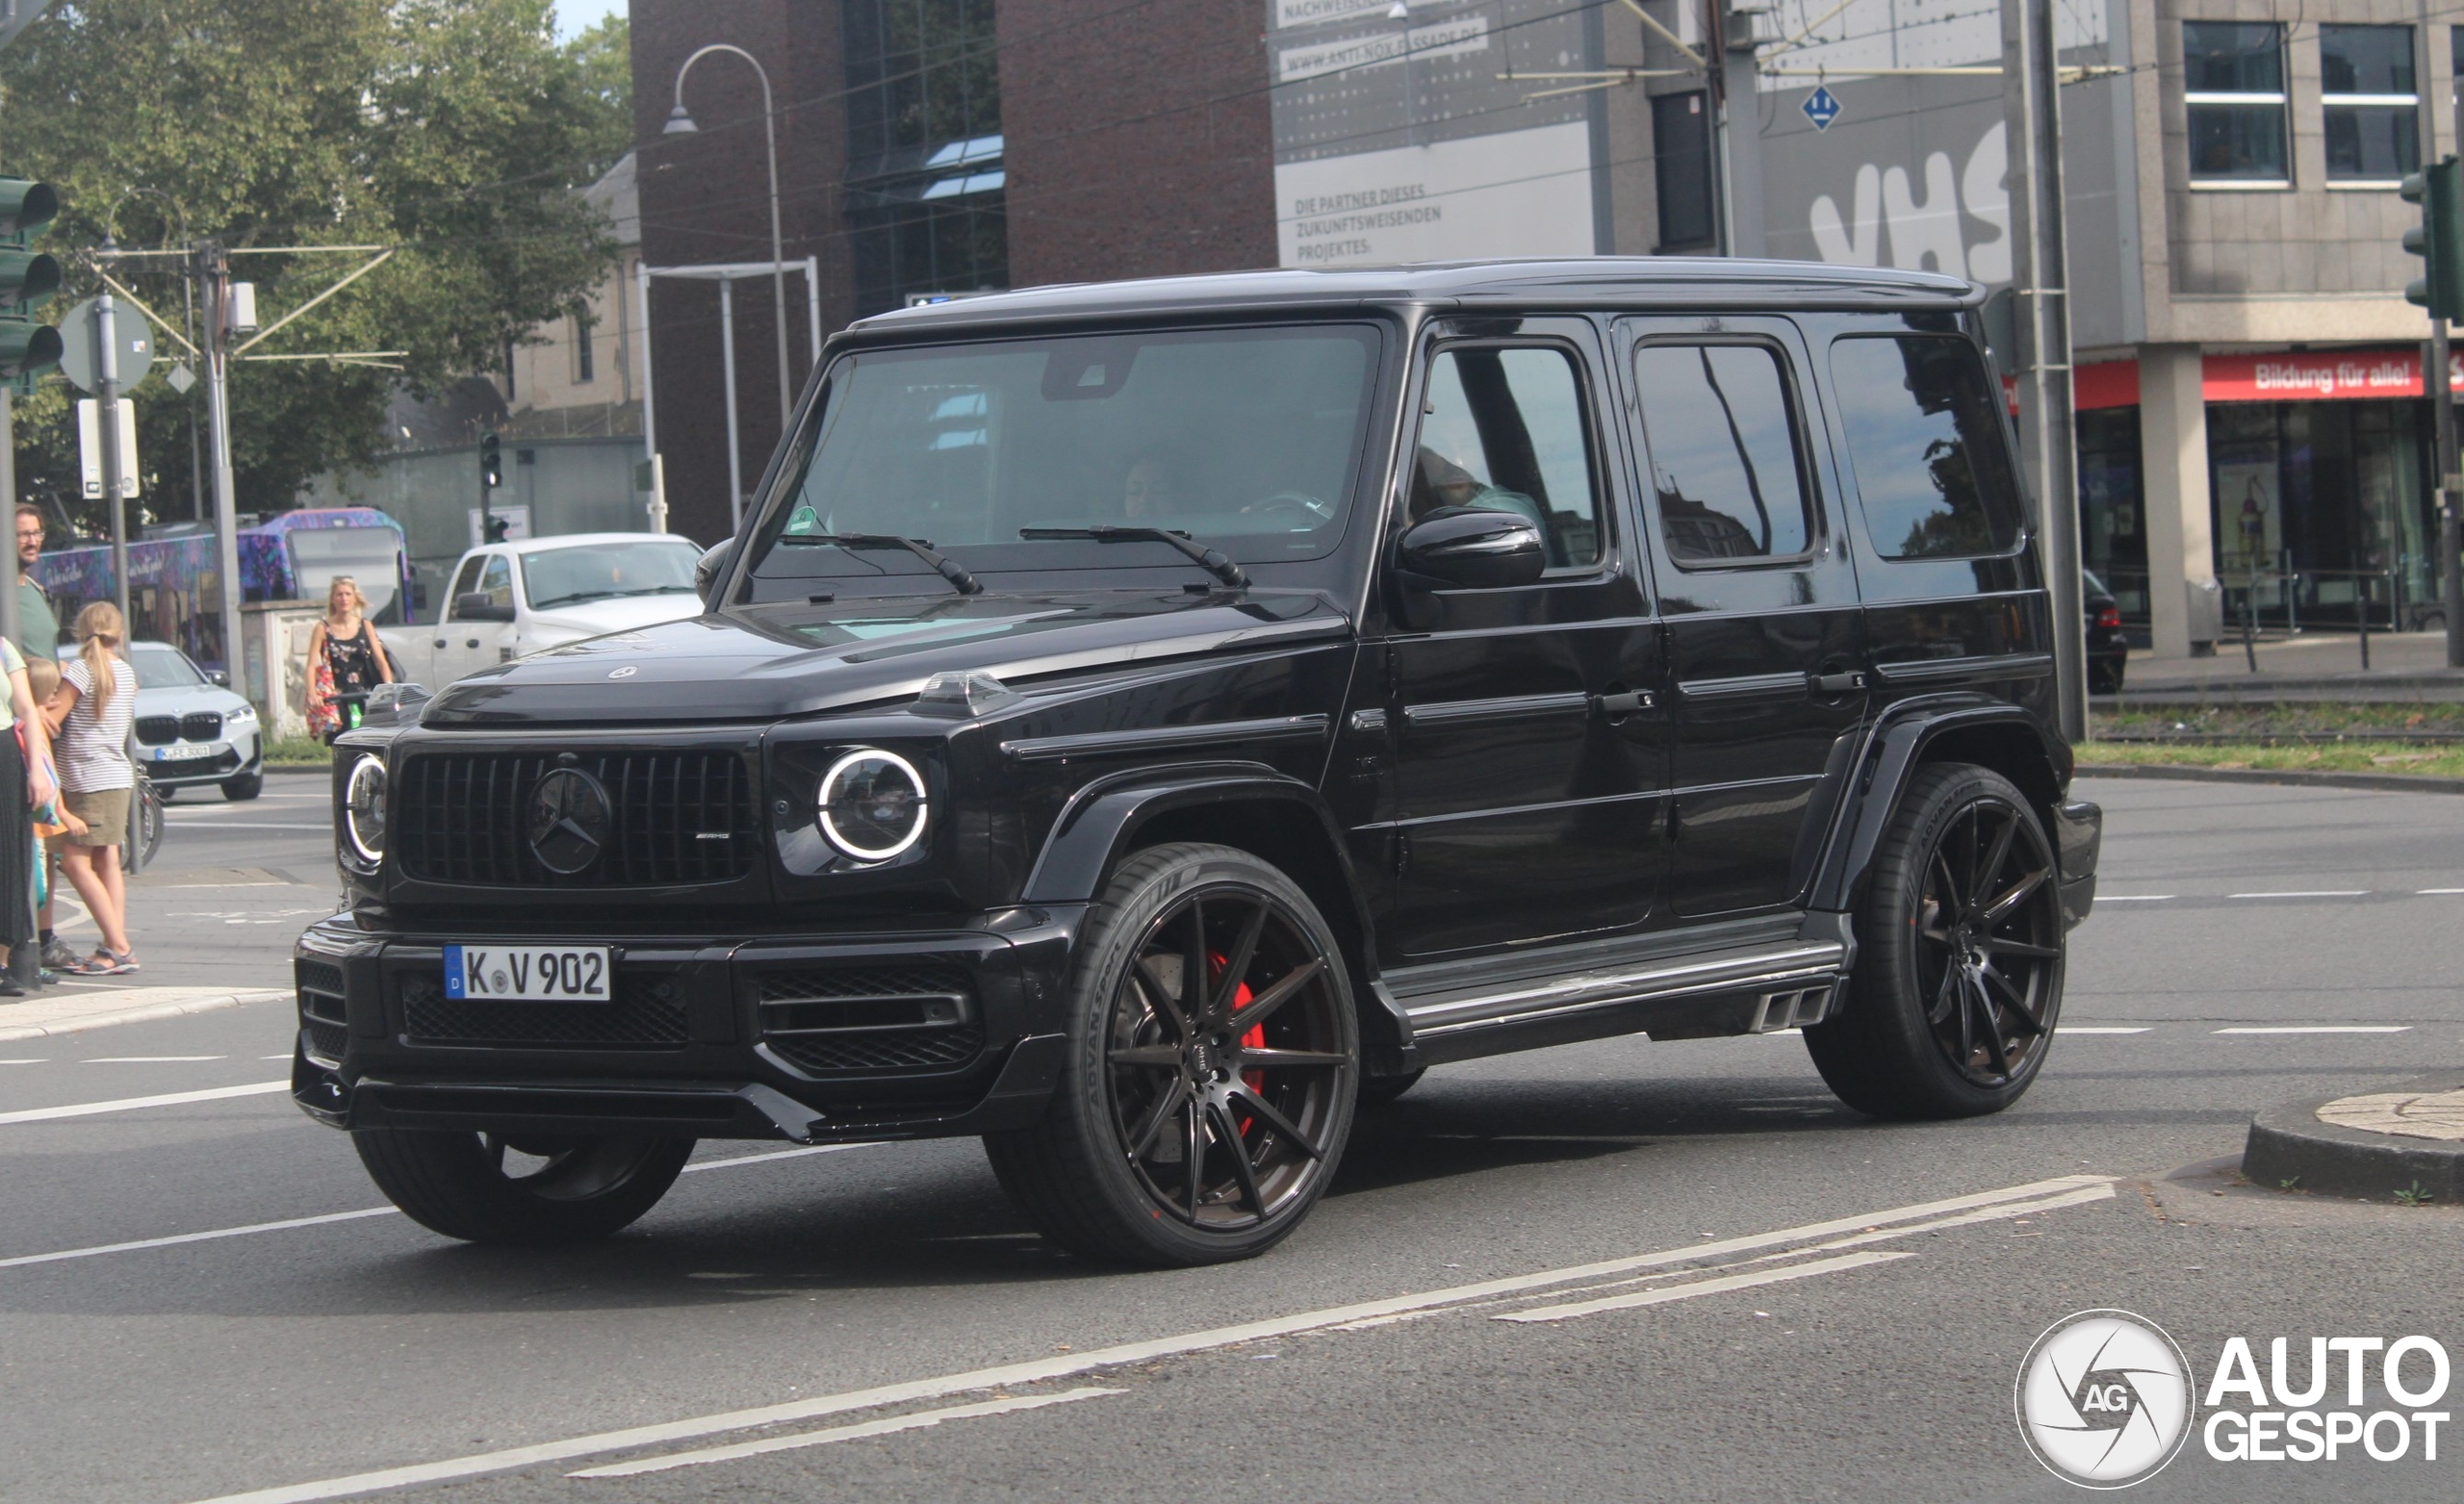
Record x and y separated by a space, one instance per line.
1099 826
1894 750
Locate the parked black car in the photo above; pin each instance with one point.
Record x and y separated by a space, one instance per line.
1309 678
2108 645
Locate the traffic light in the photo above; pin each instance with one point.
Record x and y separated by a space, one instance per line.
491 462
27 280
2439 239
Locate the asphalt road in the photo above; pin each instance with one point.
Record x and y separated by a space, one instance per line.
1716 1283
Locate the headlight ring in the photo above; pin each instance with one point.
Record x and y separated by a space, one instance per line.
364 810
872 805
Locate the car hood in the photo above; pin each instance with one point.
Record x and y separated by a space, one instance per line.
762 663
617 614
180 700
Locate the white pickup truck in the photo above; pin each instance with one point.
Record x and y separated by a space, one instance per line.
511 598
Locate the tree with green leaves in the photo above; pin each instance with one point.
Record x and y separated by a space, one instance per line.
455 130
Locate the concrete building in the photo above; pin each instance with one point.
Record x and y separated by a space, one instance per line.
2249 436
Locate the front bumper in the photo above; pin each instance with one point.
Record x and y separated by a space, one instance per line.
223 761
834 1037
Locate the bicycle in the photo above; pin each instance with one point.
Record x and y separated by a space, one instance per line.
144 825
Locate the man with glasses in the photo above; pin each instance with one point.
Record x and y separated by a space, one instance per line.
37 624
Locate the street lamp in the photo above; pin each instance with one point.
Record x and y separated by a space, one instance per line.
681 123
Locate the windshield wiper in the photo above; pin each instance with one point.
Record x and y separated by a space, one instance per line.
951 570
1210 560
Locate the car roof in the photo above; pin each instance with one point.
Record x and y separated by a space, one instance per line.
521 546
1640 283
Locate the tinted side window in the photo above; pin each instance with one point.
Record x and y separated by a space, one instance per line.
1927 445
465 581
1504 431
497 581
1724 453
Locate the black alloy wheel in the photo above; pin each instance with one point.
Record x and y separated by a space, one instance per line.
1213 1071
1956 993
527 1188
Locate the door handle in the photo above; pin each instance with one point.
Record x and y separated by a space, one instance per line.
1624 704
472 643
439 642
1847 683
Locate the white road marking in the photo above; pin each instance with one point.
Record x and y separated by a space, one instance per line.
197 1238
1713 1287
2320 1029
1043 1369
129 1103
2436 892
2309 893
2133 898
155 1059
20 1063
2099 1029
884 1427
254 1228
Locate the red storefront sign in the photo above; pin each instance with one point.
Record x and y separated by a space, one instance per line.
2318 375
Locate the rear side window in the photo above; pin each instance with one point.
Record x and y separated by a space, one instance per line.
1504 431
1927 445
1724 453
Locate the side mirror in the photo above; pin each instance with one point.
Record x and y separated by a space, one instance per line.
1458 548
479 606
712 568
221 677
397 698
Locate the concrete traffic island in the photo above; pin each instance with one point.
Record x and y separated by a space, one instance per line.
2404 1145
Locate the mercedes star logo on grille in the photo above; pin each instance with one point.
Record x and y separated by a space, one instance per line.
569 821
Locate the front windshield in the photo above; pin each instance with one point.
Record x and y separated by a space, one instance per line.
163 667
1246 440
555 578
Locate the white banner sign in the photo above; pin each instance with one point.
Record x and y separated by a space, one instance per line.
1445 39
1518 193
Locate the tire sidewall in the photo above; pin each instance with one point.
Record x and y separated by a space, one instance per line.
1144 887
1887 987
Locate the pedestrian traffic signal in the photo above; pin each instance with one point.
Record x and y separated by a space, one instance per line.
491 462
496 528
27 280
2439 239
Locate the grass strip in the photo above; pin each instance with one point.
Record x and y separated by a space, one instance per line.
2388 756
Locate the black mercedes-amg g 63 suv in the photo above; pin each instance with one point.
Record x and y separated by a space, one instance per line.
1142 723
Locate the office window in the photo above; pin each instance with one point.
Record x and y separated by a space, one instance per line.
1724 453
925 211
2233 87
1681 155
2371 109
583 331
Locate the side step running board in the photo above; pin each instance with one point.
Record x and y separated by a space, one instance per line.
1796 981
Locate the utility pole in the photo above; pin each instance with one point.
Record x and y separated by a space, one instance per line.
214 269
2436 378
2032 102
107 431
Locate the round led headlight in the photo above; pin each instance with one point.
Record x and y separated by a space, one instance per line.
872 805
364 810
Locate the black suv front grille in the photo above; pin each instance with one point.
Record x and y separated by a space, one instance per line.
646 1013
677 818
828 1020
158 731
201 726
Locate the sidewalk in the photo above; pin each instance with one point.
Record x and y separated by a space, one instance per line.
2322 665
69 1009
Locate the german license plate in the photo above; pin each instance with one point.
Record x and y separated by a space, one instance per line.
529 973
185 752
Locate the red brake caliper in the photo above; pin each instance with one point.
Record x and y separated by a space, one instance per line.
1254 1039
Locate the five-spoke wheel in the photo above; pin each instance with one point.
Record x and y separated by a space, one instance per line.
1211 1077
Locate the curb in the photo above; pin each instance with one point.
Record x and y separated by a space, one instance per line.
145 1014
2290 1143
2264 683
323 769
2311 778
